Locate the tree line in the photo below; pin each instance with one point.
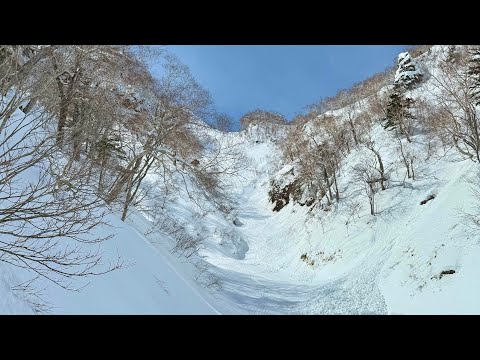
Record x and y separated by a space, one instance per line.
319 140
81 126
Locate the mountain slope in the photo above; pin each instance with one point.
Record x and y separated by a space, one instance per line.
339 259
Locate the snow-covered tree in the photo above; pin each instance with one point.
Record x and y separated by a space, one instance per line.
399 104
399 113
407 74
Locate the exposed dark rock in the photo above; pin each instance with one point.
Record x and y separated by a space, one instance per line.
431 197
310 201
446 272
281 196
443 273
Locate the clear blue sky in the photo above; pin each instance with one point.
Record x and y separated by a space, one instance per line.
281 78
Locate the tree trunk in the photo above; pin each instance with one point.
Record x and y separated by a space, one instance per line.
411 167
403 131
100 177
382 170
29 106
372 200
117 186
337 193
21 75
62 120
327 182
407 137
127 199
77 132
354 133
135 182
66 97
405 160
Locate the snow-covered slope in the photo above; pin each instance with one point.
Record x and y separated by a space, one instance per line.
304 261
151 282
298 260
345 261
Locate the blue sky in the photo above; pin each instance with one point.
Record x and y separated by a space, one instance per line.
281 78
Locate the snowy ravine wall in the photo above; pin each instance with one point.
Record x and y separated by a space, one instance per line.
416 254
418 250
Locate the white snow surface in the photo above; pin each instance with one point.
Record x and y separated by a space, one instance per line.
294 261
401 74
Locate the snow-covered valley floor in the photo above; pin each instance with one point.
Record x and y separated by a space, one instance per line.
412 257
387 264
294 261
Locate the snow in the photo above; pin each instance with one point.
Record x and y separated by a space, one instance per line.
11 302
152 282
374 270
286 169
295 260
403 73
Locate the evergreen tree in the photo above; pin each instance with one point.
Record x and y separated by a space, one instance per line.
399 105
398 113
407 74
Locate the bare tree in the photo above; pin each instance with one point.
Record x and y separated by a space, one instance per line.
264 124
90 89
225 160
458 114
223 122
48 209
370 145
178 99
364 121
378 105
407 157
34 296
292 145
17 63
88 108
366 174
353 211
321 159
351 111
48 204
336 133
